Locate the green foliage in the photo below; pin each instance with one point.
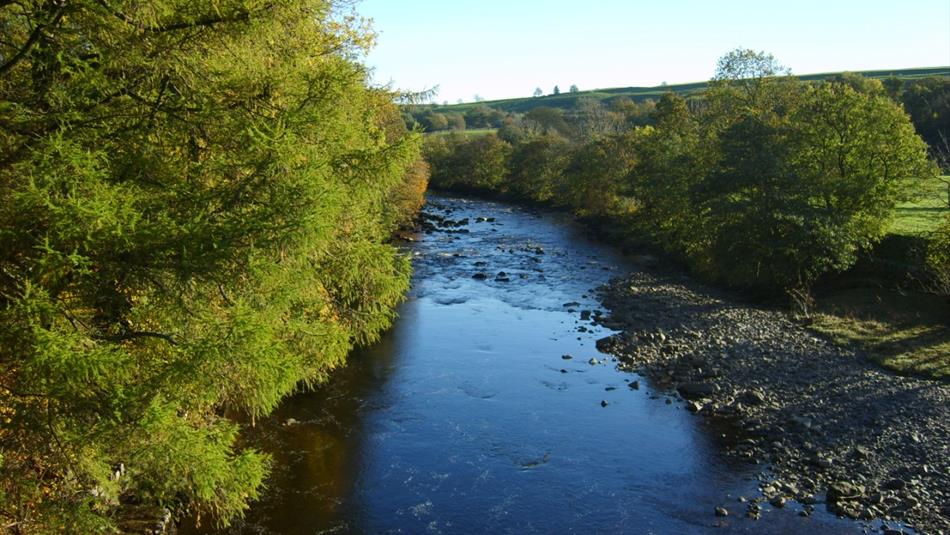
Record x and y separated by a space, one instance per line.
194 199
467 163
938 257
594 182
767 183
928 102
536 168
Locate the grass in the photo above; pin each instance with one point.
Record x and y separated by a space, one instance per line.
907 332
922 214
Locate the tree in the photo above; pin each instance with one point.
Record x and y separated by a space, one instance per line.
574 89
595 183
537 166
538 92
557 90
938 258
472 164
748 74
798 191
192 213
545 119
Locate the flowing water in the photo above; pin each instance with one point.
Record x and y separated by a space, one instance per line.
468 418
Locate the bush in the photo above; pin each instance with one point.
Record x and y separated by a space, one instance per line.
938 258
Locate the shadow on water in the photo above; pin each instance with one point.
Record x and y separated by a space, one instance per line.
483 410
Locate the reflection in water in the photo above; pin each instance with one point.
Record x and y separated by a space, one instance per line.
482 412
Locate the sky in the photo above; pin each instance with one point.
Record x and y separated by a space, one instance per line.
506 48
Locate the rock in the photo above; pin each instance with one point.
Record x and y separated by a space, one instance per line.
605 345
801 421
694 406
479 276
610 388
502 277
751 397
722 511
566 357
585 315
778 501
895 484
634 385
289 422
841 491
571 304
603 403
697 390
593 362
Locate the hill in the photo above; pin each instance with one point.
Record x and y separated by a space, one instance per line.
638 94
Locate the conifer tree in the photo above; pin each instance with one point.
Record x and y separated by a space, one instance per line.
194 201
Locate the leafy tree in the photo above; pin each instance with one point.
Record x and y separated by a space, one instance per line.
455 120
670 165
546 120
928 102
594 182
557 90
484 117
938 257
797 192
537 166
574 89
433 121
192 211
747 74
476 164
538 92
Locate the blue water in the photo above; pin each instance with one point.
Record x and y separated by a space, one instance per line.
465 418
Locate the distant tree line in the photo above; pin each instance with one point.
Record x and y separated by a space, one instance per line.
765 182
926 100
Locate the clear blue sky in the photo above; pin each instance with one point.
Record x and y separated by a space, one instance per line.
507 48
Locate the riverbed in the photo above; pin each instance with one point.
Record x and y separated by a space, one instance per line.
488 409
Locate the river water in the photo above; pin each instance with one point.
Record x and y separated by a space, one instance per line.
468 418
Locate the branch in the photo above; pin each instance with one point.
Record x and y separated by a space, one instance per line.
241 16
132 335
34 37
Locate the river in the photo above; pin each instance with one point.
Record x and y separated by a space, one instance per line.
469 417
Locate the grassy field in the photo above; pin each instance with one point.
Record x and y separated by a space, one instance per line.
569 100
923 213
907 331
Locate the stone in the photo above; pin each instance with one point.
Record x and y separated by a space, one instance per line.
635 385
697 390
840 491
751 397
895 484
778 501
722 512
593 362
603 403
479 276
566 357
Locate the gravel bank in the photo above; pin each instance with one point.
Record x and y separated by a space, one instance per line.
832 429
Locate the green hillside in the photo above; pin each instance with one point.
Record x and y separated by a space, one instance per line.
638 94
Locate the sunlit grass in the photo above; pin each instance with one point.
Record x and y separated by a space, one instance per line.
925 211
907 332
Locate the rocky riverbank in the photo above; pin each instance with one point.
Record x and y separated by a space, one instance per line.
832 429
